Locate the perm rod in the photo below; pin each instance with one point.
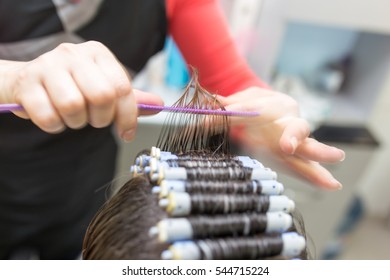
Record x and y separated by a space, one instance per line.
288 244
183 204
198 227
268 187
160 171
144 160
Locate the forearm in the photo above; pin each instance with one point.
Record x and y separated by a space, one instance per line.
199 29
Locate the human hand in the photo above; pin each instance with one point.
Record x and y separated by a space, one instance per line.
280 129
72 86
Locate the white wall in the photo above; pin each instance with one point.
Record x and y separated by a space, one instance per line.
307 48
375 184
365 15
266 34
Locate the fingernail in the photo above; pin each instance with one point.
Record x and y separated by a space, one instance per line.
342 155
56 128
128 135
294 144
337 184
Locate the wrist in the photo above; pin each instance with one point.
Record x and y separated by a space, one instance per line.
7 76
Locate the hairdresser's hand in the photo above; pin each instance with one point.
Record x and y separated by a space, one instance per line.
280 129
72 86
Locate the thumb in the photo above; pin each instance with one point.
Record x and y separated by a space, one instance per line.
143 97
243 107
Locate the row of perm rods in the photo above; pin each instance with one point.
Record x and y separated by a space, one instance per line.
178 229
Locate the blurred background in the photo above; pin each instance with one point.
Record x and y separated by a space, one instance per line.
333 57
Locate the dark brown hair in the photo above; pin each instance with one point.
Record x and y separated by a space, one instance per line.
120 228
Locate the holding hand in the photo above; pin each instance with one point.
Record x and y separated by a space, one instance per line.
280 129
72 86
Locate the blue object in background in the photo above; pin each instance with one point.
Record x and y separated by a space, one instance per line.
177 75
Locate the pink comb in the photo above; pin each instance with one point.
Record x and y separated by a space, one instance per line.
15 107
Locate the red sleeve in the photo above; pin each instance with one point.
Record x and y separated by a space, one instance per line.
201 33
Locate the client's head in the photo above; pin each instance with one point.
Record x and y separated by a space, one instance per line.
196 207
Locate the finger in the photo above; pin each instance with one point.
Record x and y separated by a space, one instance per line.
126 117
270 106
313 172
296 131
114 71
313 150
39 108
143 97
67 99
98 92
101 116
